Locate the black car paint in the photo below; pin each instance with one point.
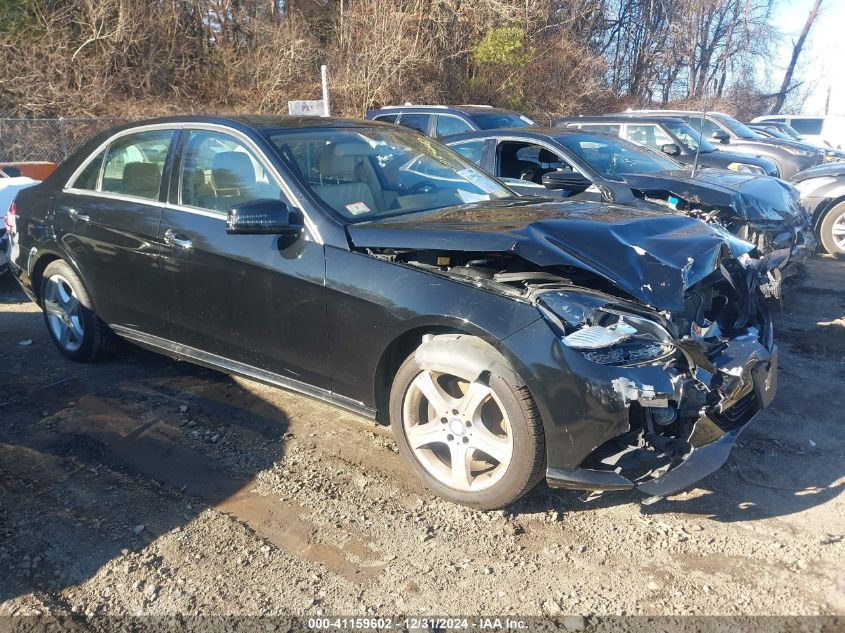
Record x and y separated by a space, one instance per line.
720 158
329 316
743 202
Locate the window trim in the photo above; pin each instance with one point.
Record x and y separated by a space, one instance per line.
183 147
310 225
545 145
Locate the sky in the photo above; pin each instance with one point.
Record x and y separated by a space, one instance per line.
822 59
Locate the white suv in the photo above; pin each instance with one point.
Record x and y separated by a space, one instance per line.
821 130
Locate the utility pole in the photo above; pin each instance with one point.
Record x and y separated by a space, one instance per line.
827 102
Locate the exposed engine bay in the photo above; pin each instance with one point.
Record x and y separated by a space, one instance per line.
707 356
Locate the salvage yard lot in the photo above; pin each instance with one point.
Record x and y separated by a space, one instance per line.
146 486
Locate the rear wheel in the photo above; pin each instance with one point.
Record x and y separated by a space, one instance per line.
475 439
75 329
832 230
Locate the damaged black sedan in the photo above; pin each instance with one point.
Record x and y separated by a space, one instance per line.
586 165
504 339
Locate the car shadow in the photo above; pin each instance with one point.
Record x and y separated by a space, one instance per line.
100 459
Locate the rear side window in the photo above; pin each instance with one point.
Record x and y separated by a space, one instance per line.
87 180
134 164
447 125
807 126
386 118
470 150
418 122
219 171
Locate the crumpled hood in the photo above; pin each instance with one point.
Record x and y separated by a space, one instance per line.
753 197
653 256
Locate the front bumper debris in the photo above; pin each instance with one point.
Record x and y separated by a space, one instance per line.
725 393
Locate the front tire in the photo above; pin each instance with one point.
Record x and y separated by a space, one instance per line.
832 230
472 437
68 313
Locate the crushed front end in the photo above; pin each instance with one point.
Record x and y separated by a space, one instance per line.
767 213
669 391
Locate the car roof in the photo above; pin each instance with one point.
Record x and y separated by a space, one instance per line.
258 122
610 118
465 109
538 133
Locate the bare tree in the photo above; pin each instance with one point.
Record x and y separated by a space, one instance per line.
786 86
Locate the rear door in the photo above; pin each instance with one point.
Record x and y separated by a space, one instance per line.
246 298
109 218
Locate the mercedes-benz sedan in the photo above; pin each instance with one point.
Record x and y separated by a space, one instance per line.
506 339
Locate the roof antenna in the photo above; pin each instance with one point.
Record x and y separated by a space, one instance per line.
701 131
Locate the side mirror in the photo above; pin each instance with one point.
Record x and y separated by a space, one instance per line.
569 180
722 137
262 217
671 149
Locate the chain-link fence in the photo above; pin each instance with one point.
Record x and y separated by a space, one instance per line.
47 139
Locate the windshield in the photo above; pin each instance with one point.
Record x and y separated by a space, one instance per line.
777 133
740 129
496 120
689 137
612 157
791 131
367 173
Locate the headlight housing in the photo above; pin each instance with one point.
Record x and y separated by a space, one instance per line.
746 168
603 333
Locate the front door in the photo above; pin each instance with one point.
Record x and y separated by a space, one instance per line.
247 298
109 219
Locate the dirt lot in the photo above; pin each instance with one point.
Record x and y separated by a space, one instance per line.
146 486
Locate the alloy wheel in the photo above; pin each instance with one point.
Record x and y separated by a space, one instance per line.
64 313
458 430
838 231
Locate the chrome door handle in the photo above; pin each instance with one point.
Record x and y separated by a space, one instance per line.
171 238
76 215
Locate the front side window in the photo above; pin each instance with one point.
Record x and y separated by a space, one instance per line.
134 164
470 150
527 162
689 137
418 122
448 125
218 171
649 135
368 173
614 158
705 126
807 126
89 178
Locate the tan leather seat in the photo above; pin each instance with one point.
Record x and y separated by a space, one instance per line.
141 179
347 178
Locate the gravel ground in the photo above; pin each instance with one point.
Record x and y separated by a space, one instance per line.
144 486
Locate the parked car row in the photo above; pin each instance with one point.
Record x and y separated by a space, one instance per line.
610 333
765 211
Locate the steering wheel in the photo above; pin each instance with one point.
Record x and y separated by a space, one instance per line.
426 186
